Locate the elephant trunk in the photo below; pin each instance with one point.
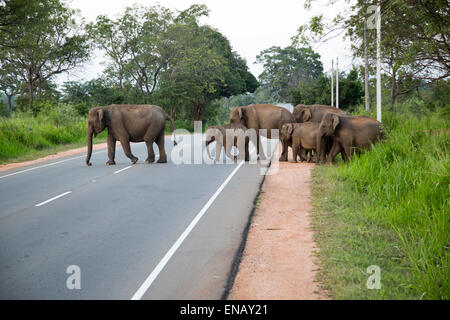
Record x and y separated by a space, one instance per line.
320 147
90 132
172 128
207 143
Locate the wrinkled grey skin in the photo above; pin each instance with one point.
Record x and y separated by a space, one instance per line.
219 134
262 116
129 123
349 134
314 113
303 137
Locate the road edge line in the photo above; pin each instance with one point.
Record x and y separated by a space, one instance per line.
239 252
162 263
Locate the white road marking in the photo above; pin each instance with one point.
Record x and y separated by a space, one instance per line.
47 165
115 172
148 282
54 198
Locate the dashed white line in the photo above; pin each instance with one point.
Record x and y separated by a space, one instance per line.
116 172
47 165
54 198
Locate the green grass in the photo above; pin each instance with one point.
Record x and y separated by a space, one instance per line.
24 137
56 128
389 207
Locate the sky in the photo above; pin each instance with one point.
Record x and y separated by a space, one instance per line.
250 25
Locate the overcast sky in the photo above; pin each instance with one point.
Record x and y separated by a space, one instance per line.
250 25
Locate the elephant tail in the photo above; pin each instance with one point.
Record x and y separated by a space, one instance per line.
172 128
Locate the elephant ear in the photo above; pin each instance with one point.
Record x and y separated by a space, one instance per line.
334 121
241 113
100 114
306 115
290 128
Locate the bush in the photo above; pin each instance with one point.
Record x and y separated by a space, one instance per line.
4 110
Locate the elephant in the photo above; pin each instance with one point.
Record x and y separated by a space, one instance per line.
303 137
262 116
349 134
129 123
221 136
314 113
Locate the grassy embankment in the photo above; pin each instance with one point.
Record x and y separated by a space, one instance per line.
24 137
389 207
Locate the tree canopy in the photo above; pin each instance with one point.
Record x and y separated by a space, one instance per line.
415 48
285 68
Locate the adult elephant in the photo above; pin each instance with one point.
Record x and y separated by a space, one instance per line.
349 134
129 123
262 116
314 113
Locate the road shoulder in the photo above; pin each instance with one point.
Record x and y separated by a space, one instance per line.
58 155
279 261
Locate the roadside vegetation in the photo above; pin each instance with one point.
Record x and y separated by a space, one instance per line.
389 207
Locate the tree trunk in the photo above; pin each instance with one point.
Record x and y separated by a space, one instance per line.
198 112
393 85
10 101
30 90
39 87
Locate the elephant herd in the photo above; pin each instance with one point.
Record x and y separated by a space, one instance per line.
314 132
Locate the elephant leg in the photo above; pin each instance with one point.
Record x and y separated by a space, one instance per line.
295 151
303 154
247 153
284 152
150 152
335 149
218 150
126 148
162 151
111 143
259 148
308 157
348 152
227 148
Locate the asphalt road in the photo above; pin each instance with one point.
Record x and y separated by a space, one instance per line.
147 231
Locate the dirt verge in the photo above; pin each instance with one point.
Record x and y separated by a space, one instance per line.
278 260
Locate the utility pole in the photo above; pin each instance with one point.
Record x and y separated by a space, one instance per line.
337 83
378 61
366 70
332 84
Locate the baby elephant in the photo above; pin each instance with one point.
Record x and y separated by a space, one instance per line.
224 134
303 137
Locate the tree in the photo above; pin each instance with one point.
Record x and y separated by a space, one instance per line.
414 44
318 91
204 67
285 68
52 44
10 85
95 92
137 45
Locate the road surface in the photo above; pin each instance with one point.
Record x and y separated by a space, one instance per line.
147 231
